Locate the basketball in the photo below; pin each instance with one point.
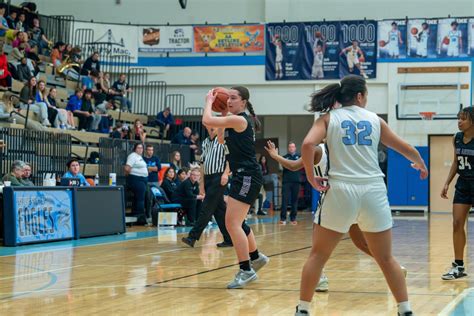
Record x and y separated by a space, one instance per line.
362 59
446 40
382 43
318 34
220 103
414 30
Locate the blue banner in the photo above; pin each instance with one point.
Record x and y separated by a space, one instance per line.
320 50
392 39
453 38
422 38
43 215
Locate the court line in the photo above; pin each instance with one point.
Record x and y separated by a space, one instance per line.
40 272
448 309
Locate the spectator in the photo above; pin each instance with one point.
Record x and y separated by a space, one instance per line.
42 97
104 85
120 89
11 20
187 194
176 160
194 146
183 137
21 23
64 118
75 107
3 22
165 121
28 95
88 107
169 183
91 63
9 113
137 178
106 121
290 187
26 177
57 54
5 76
73 61
120 131
154 165
23 70
270 183
38 38
138 132
74 168
16 174
181 175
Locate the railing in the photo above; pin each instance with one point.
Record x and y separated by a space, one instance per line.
193 120
58 27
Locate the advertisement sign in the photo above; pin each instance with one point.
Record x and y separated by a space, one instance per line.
229 39
161 39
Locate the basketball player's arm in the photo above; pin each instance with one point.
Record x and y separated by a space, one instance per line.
392 140
451 174
238 123
293 165
314 137
225 174
220 136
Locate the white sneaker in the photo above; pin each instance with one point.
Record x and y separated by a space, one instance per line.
301 312
258 263
242 278
323 284
404 270
454 273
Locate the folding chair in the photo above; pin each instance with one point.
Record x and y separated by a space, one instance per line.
164 213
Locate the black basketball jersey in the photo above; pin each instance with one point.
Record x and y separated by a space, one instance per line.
240 147
465 156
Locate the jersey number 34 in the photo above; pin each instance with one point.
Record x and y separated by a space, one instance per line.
357 133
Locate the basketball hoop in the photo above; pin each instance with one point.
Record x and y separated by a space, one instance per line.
427 116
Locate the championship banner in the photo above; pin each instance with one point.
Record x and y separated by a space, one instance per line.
422 38
471 37
392 39
320 50
108 39
162 39
453 37
43 215
228 39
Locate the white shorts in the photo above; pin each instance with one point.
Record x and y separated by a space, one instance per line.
393 50
351 61
317 72
453 51
363 202
422 51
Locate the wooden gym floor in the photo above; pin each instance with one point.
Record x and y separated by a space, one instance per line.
145 273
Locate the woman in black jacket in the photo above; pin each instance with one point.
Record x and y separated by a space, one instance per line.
169 184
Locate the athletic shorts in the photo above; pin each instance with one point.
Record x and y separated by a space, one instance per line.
363 202
393 50
464 192
245 185
453 51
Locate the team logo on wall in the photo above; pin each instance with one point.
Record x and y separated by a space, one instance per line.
453 37
422 38
392 39
151 36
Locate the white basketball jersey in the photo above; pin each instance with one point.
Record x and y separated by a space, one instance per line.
393 37
454 38
318 58
353 136
424 38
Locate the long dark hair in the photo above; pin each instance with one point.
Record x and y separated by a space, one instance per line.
245 95
343 92
467 112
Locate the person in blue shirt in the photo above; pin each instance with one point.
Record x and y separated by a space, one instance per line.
165 121
3 22
74 105
153 164
74 172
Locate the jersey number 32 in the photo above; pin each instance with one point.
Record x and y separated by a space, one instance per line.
357 133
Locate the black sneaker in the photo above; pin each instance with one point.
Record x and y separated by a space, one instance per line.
224 244
261 212
189 241
454 273
410 313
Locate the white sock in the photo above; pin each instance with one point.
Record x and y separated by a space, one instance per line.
404 307
303 306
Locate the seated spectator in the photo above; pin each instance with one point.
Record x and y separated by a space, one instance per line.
183 137
181 175
106 121
138 132
75 107
16 174
176 160
91 63
120 131
67 51
104 86
137 179
87 106
22 43
28 96
120 88
5 76
23 70
194 146
3 22
187 194
21 23
9 113
91 82
57 54
42 97
74 172
169 184
11 19
26 177
64 118
165 121
38 38
72 63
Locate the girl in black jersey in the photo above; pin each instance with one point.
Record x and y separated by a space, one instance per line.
246 178
463 165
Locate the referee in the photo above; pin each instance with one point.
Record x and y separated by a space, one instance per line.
214 183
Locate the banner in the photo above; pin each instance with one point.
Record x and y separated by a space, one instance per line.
163 39
108 39
422 38
43 215
326 50
453 37
471 36
392 39
228 39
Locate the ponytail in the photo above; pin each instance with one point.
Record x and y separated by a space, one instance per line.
256 122
343 92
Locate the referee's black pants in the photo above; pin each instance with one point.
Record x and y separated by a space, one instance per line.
213 204
290 192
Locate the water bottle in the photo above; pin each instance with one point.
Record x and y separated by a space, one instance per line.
96 179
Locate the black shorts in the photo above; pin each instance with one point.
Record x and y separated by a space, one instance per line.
464 193
245 185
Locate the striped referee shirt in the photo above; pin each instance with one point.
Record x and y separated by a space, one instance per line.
213 156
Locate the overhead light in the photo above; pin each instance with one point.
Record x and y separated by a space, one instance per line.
183 3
